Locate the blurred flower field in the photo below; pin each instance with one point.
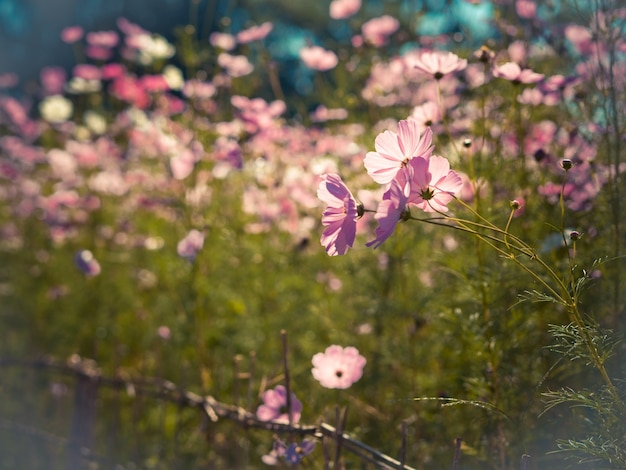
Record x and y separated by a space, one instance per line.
419 237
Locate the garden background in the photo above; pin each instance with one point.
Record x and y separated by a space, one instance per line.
160 260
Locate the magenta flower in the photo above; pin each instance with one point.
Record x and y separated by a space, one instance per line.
338 367
340 215
433 183
392 208
393 151
274 407
439 63
514 73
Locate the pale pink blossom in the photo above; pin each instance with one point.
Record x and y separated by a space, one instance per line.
338 367
392 208
318 58
340 216
72 34
377 30
52 80
190 245
526 9
514 73
257 114
198 89
426 115
254 33
274 407
582 39
87 72
393 151
322 114
341 9
107 39
98 53
8 80
164 332
224 41
439 63
235 65
518 52
129 28
182 164
433 183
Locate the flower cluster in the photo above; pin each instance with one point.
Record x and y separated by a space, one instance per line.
413 176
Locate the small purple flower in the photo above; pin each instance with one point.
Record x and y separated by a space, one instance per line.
189 246
296 452
293 453
274 407
87 264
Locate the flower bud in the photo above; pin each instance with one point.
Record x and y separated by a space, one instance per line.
467 143
567 164
574 235
515 204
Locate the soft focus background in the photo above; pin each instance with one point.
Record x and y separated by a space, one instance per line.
159 221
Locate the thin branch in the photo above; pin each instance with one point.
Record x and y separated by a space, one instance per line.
168 391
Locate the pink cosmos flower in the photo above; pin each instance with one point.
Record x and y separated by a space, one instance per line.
377 30
98 53
223 41
254 33
392 208
581 38
514 73
235 65
154 83
189 246
426 115
52 80
322 114
128 88
439 63
72 34
433 183
341 9
393 151
318 58
340 216
106 39
526 9
257 114
112 71
8 80
87 72
338 367
274 407
164 332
